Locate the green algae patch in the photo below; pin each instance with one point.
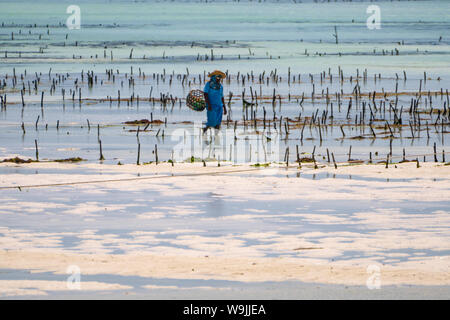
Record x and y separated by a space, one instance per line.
19 160
74 159
143 121
258 165
193 159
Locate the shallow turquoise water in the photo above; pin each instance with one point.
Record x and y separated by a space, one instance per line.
182 30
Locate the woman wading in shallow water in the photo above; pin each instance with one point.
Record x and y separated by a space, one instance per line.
213 92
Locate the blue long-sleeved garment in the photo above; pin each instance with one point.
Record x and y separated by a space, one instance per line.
215 100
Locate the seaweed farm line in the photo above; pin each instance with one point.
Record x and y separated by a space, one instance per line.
138 117
115 89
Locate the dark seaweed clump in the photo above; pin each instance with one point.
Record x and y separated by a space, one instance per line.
74 159
18 160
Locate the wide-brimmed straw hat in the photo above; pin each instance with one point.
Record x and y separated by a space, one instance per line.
217 73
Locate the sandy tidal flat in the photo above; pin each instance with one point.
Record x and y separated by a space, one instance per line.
237 223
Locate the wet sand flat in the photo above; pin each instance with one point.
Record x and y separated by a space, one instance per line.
324 231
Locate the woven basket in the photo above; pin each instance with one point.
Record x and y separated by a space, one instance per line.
195 100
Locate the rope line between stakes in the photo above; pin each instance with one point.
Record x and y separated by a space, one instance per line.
186 174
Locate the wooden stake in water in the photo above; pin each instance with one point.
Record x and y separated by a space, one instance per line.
101 151
23 102
334 161
373 132
37 150
287 157
390 147
335 35
138 153
343 133
435 153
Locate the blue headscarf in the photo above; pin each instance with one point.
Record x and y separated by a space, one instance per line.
213 84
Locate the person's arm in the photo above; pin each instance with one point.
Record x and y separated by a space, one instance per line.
205 93
223 101
207 101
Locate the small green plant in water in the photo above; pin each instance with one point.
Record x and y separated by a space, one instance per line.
192 159
257 165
